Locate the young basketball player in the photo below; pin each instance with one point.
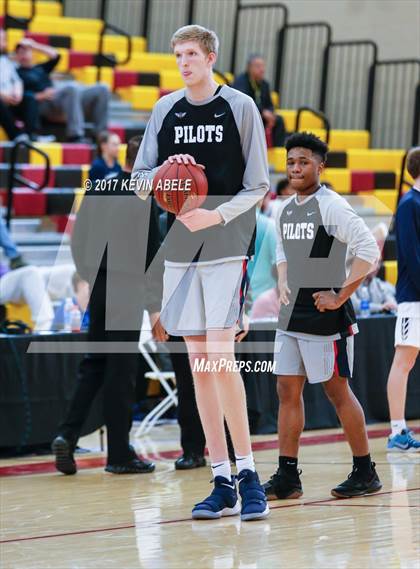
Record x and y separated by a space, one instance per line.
317 230
207 251
407 328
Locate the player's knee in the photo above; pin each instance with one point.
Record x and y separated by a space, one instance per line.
287 392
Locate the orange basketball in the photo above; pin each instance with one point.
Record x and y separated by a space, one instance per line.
179 188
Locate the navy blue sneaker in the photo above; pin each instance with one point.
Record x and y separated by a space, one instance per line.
223 501
254 500
403 442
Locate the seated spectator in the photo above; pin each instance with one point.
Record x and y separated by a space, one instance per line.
26 286
9 247
106 165
65 102
381 294
11 93
267 304
252 83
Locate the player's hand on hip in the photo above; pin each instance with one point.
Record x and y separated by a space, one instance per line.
284 292
326 300
240 335
158 331
199 218
183 159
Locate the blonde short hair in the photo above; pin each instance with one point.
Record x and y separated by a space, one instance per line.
206 39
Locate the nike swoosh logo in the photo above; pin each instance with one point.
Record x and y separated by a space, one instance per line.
217 465
289 212
311 213
228 485
216 116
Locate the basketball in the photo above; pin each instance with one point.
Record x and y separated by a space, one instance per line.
179 188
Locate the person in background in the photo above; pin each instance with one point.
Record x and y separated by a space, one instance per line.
9 247
67 101
381 294
272 202
252 83
407 327
120 290
26 286
267 304
11 93
106 165
260 266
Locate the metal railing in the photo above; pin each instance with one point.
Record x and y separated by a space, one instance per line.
300 60
394 108
102 58
348 75
15 22
14 177
325 122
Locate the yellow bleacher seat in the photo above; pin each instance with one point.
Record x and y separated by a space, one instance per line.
171 79
13 38
343 140
22 8
65 26
277 159
374 160
122 151
220 80
89 43
124 93
85 174
276 99
79 194
150 62
391 271
114 44
3 135
143 98
54 151
19 312
87 75
386 201
308 121
339 178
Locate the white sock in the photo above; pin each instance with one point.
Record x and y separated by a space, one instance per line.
245 463
397 427
222 469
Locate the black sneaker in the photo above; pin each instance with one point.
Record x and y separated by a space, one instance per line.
189 461
357 485
64 459
283 486
133 466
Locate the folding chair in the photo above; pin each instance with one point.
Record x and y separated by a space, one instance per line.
165 378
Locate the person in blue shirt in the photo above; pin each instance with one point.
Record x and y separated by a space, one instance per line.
106 165
407 328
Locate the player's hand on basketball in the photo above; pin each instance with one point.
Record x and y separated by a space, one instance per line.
284 292
158 331
199 218
183 159
327 300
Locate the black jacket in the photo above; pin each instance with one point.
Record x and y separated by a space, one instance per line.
263 101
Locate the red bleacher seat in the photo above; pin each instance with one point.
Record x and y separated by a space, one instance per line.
77 154
27 202
362 181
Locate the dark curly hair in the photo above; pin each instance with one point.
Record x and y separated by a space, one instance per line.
310 141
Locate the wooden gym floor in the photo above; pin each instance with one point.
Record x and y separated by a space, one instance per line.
96 520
